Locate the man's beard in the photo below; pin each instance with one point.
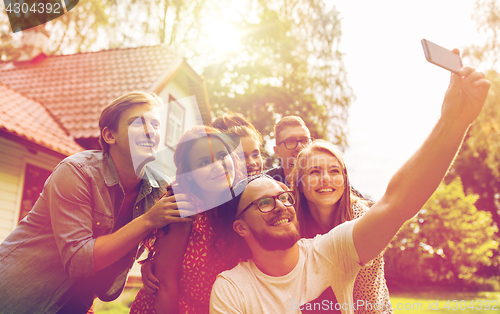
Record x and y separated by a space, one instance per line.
276 242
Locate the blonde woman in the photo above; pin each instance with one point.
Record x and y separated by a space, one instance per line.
324 201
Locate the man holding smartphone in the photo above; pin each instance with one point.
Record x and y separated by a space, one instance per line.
284 273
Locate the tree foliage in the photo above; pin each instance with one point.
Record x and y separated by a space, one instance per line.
7 49
478 163
487 17
448 243
76 31
290 65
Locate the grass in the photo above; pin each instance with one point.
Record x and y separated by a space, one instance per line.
404 303
118 306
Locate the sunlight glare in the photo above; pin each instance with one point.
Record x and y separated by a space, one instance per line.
222 37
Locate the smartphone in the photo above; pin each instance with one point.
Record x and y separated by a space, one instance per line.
441 56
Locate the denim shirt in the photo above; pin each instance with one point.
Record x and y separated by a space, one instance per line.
51 252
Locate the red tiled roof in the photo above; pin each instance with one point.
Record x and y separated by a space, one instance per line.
28 119
75 88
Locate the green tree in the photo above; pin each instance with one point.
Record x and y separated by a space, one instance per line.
289 62
478 163
7 49
446 244
487 17
76 31
289 65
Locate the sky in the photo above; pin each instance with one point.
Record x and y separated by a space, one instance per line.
398 93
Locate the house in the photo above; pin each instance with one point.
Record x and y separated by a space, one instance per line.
50 108
32 144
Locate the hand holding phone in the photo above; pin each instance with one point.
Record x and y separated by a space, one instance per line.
441 56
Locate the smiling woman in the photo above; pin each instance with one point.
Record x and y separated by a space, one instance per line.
324 201
191 255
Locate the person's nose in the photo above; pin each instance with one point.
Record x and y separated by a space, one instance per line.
150 130
279 206
325 177
251 162
300 146
218 165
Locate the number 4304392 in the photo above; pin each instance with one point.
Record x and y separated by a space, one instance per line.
473 305
25 8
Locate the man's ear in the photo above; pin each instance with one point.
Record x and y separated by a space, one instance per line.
108 136
240 227
275 148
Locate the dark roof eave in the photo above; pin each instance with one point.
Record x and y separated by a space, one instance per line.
22 140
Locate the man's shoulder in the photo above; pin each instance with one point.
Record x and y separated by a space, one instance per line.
87 157
241 271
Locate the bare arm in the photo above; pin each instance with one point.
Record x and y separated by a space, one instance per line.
417 179
171 249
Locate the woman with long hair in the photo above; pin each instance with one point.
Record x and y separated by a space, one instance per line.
190 255
251 140
324 200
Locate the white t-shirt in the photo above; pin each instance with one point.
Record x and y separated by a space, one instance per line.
327 260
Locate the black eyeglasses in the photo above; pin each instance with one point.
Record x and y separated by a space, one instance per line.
268 204
291 143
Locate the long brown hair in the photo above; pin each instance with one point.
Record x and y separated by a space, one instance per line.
183 149
344 211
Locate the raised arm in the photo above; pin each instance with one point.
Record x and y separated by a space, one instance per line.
418 178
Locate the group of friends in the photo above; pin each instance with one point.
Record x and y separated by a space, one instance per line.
226 235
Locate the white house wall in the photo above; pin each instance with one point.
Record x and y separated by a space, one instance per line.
14 158
165 158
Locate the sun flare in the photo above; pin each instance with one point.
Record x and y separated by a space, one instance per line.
222 37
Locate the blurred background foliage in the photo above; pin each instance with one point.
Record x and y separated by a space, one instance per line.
287 61
453 241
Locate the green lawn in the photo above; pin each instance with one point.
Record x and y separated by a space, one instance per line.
119 306
407 303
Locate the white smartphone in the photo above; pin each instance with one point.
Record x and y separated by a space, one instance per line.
441 56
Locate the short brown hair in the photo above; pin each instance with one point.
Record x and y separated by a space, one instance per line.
110 115
287 121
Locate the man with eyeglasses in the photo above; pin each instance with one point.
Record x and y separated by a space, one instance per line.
292 135
284 272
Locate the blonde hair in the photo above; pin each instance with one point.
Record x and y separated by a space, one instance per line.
344 212
110 115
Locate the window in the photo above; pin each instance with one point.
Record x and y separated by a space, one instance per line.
175 122
34 179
